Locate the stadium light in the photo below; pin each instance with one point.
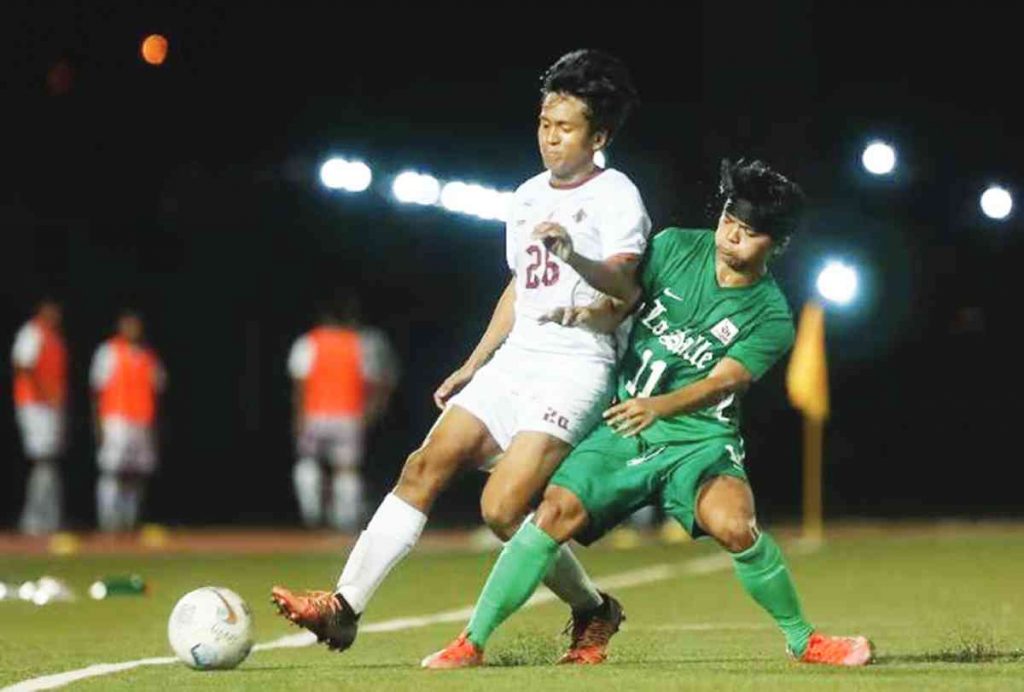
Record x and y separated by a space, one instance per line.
879 158
837 283
453 196
996 203
337 173
411 187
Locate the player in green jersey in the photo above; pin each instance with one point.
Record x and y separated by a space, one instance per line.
713 321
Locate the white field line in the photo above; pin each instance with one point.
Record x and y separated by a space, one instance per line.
622 580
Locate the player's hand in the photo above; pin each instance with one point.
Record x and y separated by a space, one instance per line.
451 386
632 416
568 317
555 238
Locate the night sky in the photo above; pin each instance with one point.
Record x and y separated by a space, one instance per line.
190 191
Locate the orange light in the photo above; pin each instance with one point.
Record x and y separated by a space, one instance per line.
154 49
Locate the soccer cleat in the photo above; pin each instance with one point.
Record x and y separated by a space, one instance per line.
461 653
325 614
837 651
591 631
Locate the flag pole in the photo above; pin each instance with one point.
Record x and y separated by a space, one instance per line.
807 385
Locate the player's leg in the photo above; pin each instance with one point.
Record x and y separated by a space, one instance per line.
344 457
593 489
725 511
307 476
518 477
137 471
43 492
522 564
111 457
457 439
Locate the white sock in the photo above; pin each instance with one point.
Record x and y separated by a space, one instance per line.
42 499
307 477
346 499
106 502
132 492
390 535
569 581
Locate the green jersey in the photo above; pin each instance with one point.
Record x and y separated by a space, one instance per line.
688 323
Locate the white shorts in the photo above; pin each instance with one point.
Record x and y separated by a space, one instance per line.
127 447
336 440
42 430
520 390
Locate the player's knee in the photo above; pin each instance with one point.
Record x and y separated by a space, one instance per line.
422 478
501 513
561 515
735 532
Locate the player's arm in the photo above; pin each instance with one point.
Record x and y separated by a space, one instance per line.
298 396
497 331
99 373
603 316
614 276
24 358
728 377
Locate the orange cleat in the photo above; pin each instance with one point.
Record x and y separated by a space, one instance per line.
837 651
591 631
325 614
461 653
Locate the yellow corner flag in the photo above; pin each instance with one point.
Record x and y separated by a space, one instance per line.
807 376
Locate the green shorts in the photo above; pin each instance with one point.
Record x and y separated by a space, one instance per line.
614 476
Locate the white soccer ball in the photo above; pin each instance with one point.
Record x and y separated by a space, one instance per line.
211 628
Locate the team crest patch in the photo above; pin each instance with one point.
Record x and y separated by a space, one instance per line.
579 216
725 331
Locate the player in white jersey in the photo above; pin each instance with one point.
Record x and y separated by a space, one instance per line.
343 375
530 390
39 362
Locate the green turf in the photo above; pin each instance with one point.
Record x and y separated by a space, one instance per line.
945 611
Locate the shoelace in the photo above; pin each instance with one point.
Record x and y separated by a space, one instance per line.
575 629
452 650
597 633
324 603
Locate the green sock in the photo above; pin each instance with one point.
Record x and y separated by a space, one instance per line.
522 564
764 575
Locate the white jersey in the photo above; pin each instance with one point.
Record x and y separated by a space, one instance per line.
27 345
102 368
605 216
379 363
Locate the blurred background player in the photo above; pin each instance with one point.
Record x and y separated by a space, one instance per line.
343 376
126 378
39 360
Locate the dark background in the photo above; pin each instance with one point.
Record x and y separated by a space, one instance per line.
190 190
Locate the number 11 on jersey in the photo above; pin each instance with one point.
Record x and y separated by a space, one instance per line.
657 369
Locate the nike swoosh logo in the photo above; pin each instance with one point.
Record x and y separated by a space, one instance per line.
646 457
231 618
670 294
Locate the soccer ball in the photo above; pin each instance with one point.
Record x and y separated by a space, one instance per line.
211 628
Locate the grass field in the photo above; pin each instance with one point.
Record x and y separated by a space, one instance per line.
945 609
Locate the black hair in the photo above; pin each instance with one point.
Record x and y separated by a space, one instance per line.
762 197
598 79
